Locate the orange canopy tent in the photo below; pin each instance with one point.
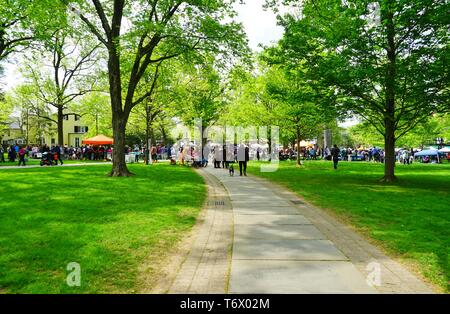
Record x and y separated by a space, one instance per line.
99 140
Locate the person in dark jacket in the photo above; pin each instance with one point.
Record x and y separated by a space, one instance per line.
2 152
335 155
243 157
12 154
224 157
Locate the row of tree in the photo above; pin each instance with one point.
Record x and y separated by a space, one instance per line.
153 60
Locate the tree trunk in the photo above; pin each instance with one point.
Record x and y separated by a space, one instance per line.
389 119
299 163
27 138
147 134
60 126
119 117
389 152
119 168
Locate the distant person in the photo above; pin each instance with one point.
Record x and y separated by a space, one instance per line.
58 154
335 155
218 156
243 157
12 155
154 154
2 151
22 153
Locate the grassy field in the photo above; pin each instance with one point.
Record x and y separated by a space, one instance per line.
50 217
409 219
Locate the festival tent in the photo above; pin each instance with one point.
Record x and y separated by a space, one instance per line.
99 140
429 152
445 150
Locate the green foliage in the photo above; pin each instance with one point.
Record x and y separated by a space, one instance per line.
24 21
201 93
95 111
345 46
424 134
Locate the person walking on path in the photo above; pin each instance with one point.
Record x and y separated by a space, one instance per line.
335 155
243 157
218 156
224 157
22 153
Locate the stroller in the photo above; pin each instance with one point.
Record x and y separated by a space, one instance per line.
47 159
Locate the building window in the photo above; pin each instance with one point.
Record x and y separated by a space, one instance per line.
80 129
66 117
77 142
76 117
53 141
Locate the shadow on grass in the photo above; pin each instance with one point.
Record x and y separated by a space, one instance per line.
410 217
52 216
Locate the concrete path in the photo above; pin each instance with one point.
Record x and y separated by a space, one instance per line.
284 245
207 259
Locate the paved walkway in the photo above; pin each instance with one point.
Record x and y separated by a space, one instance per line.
207 265
282 244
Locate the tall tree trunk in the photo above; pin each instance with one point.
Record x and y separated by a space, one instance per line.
389 119
60 126
119 117
298 139
147 134
27 138
389 152
119 168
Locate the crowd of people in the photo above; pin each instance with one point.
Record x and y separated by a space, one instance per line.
222 156
54 153
189 154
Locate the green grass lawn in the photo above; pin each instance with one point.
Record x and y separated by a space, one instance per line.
50 217
409 219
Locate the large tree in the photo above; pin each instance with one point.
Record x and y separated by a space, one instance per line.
386 61
70 74
141 33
